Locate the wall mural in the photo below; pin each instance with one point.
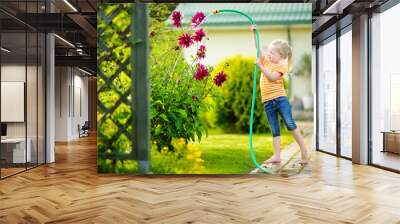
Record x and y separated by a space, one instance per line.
205 117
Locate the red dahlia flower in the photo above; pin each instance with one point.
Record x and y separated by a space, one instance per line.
185 40
198 35
201 72
220 78
197 19
177 18
201 52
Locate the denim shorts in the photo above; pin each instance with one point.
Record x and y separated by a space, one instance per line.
279 105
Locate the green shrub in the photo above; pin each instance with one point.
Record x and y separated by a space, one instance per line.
233 100
210 115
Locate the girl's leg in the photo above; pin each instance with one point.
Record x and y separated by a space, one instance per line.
300 141
272 115
286 112
276 157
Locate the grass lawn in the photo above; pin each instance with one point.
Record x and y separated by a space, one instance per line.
230 153
222 154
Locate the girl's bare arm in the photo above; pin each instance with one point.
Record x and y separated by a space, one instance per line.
271 76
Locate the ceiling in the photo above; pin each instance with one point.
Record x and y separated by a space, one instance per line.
74 22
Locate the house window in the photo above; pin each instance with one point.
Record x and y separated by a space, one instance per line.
327 96
346 92
22 90
385 89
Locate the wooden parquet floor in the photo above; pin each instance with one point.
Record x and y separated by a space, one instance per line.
70 191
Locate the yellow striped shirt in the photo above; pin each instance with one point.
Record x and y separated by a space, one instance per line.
272 89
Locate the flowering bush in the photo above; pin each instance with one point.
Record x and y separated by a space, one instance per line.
187 39
179 88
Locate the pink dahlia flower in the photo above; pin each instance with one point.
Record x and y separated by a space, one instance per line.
177 18
185 40
198 35
201 72
220 78
201 52
197 19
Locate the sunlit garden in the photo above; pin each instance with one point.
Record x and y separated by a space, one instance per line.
199 114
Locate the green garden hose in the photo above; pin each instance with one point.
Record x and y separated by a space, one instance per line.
253 100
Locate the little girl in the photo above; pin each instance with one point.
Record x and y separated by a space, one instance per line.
274 65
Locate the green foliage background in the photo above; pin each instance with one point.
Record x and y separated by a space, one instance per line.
233 103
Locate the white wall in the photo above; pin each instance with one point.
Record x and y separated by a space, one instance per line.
62 81
226 42
301 86
71 93
81 94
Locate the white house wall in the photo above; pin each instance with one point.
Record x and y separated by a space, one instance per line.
231 41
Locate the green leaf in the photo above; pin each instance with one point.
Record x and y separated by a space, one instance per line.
164 117
182 113
153 112
158 130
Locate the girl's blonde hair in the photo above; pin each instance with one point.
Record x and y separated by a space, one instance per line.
284 50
